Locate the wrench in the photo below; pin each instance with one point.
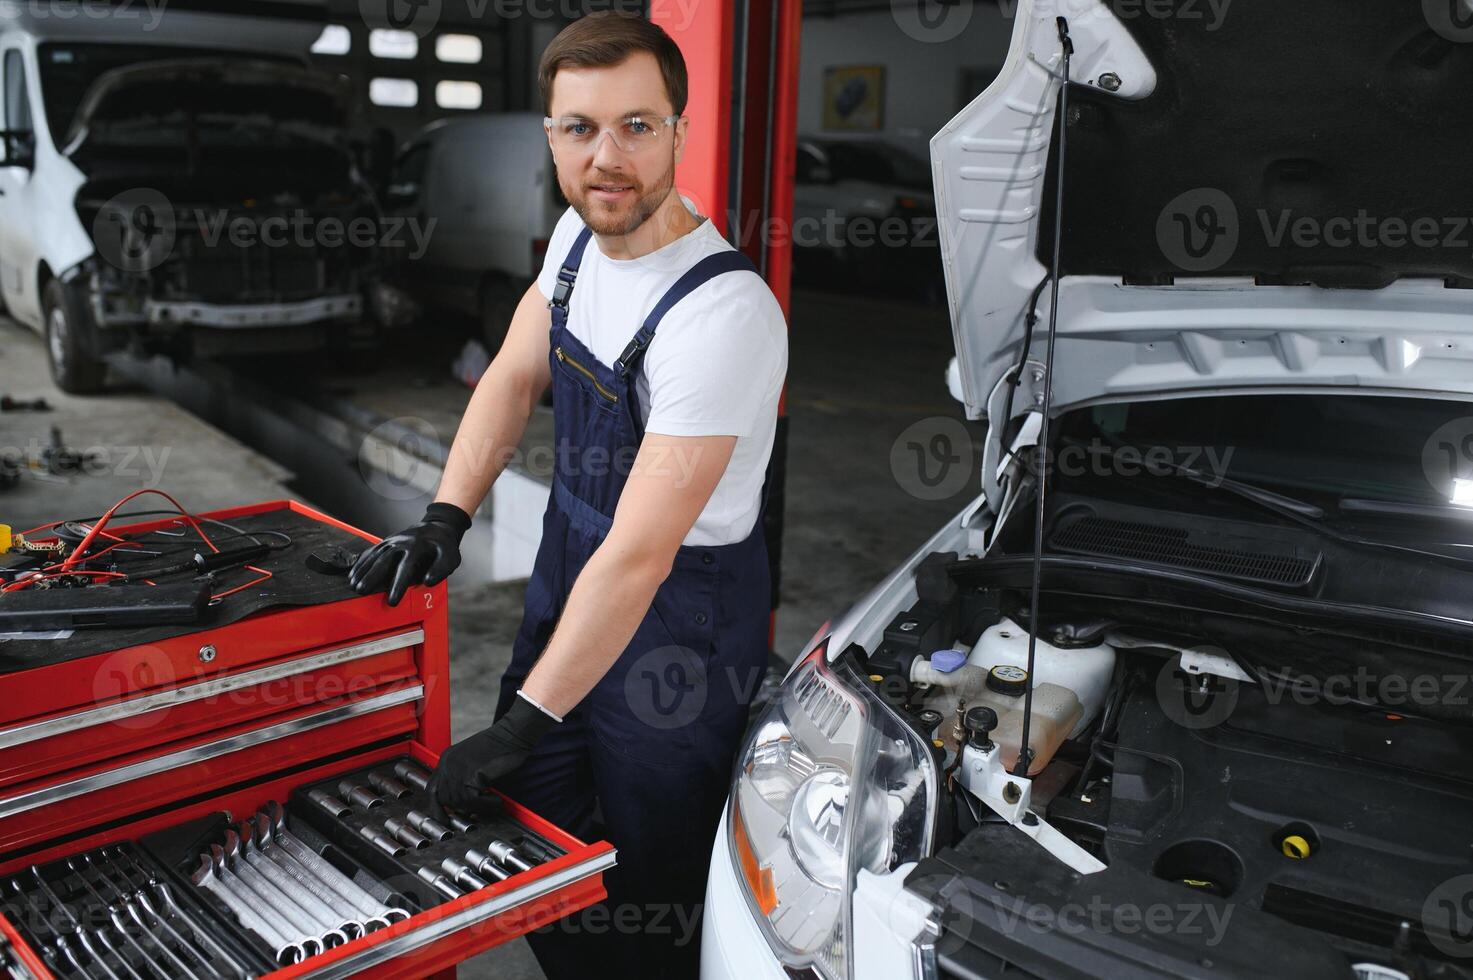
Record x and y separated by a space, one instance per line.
281 843
250 852
285 951
61 944
131 907
263 841
121 925
285 927
341 883
81 931
286 905
138 900
166 894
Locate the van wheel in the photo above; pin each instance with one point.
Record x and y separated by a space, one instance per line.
497 306
73 368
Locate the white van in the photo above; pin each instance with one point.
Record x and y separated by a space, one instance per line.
176 182
487 183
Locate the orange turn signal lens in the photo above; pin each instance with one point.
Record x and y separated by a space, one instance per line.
759 878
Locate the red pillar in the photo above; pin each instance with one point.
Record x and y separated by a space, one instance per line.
742 62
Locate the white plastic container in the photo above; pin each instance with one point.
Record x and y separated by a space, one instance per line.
1055 712
1083 671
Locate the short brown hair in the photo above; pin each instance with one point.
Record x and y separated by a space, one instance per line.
603 39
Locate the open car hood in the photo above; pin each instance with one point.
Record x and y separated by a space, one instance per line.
286 95
1197 133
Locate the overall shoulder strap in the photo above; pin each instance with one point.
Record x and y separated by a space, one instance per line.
569 270
707 268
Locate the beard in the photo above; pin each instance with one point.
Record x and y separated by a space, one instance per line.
605 218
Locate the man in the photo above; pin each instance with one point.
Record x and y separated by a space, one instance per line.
644 632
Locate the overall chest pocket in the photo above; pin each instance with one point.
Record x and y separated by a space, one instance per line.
586 377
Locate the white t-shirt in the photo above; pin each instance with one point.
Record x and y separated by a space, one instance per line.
715 367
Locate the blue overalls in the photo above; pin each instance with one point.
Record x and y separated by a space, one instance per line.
653 743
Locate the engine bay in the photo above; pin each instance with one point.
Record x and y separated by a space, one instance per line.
1247 768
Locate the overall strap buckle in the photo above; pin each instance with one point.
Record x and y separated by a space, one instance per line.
628 361
707 268
564 287
568 273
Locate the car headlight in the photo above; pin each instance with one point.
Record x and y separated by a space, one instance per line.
828 782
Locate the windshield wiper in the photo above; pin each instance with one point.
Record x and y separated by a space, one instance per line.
1276 502
1299 511
1268 498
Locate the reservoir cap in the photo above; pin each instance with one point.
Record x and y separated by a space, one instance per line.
1008 680
948 660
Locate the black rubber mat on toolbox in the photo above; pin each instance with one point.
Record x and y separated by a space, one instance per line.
292 584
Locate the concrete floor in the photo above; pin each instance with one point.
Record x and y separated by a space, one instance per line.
135 440
862 372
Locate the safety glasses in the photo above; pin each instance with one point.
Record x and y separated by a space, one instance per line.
632 134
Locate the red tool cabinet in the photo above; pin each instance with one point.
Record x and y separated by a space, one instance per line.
126 742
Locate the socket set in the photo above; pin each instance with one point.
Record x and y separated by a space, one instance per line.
114 913
381 815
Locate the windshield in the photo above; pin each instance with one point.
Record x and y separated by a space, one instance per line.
1414 451
69 70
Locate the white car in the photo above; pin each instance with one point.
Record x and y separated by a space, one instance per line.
1249 651
176 182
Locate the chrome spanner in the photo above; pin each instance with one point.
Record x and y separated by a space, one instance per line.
151 882
264 844
81 930
132 908
350 889
121 926
305 927
138 898
283 949
61 944
325 915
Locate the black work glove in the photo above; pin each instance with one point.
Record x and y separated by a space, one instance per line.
471 765
425 552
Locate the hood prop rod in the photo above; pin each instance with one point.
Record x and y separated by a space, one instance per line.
1025 752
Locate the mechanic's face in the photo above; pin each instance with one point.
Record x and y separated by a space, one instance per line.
613 190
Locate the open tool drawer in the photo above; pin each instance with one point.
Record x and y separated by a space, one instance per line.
120 768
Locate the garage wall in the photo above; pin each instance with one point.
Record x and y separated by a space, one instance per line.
924 67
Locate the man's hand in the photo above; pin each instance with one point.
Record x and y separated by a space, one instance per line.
471 765
425 552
